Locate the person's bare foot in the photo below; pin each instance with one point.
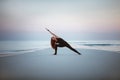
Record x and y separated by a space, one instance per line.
79 54
54 54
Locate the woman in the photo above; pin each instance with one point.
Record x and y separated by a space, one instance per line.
59 42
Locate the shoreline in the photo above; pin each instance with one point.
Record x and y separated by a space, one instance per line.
20 52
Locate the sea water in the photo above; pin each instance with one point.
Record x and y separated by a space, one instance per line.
20 47
107 45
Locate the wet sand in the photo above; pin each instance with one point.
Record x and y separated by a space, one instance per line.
66 65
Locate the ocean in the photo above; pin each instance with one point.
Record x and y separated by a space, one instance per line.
8 48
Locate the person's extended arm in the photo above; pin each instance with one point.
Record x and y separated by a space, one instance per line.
51 32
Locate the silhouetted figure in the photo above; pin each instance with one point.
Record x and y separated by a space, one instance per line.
59 42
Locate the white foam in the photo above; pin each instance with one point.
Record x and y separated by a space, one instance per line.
14 52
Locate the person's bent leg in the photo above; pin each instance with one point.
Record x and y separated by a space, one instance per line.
55 50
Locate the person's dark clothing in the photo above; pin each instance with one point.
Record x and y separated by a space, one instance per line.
61 43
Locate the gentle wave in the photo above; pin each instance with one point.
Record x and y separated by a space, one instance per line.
105 47
101 44
4 53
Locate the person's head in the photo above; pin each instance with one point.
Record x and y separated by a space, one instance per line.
53 38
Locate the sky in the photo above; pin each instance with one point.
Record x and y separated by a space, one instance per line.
70 19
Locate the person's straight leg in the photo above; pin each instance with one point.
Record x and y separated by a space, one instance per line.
68 46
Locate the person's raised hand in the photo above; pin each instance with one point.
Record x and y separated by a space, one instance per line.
47 29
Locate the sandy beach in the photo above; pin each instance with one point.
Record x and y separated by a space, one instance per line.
66 65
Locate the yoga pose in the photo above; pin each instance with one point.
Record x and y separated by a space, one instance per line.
59 42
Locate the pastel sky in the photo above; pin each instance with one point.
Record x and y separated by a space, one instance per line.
89 18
